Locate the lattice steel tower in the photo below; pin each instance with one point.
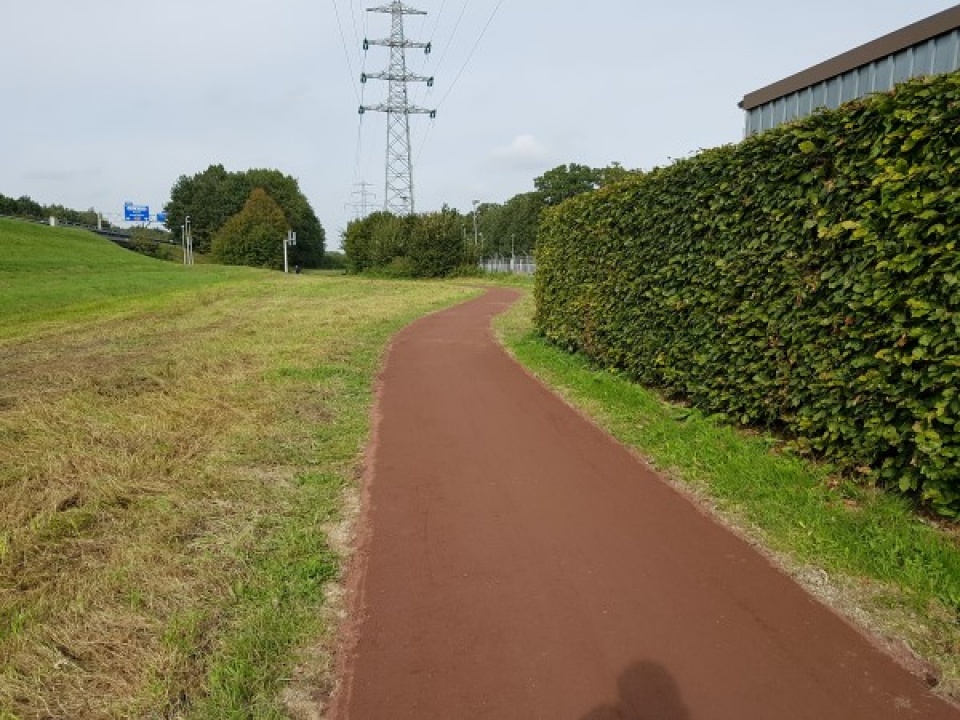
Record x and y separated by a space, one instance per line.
398 196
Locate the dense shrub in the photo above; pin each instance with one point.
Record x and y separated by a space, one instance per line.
426 245
806 279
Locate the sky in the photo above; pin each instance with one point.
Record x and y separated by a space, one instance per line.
110 101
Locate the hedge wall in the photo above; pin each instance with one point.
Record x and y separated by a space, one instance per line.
806 279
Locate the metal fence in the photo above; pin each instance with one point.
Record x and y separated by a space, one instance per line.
518 265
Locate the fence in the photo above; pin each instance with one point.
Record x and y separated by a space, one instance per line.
518 265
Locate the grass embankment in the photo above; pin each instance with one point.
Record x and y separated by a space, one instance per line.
862 550
80 274
175 445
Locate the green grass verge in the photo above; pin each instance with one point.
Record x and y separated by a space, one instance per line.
506 280
886 562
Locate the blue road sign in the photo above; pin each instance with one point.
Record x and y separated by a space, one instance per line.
161 217
136 213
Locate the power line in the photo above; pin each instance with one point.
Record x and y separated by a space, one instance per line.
359 158
443 55
439 15
433 34
462 68
453 34
423 143
472 51
346 52
353 21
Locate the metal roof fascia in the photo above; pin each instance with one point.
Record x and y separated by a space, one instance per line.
919 32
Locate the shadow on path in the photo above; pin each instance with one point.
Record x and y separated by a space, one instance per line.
647 692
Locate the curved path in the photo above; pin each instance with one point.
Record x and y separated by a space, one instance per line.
515 562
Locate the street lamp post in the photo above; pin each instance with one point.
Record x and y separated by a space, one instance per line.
476 236
188 243
290 240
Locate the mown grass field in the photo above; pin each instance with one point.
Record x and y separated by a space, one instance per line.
865 552
175 448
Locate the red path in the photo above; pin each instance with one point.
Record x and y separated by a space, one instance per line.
517 563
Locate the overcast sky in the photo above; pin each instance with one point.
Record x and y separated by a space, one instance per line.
107 101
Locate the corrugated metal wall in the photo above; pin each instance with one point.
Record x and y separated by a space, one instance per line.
938 55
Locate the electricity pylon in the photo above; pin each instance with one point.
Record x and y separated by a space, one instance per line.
398 195
361 208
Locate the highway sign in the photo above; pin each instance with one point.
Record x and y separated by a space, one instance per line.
136 213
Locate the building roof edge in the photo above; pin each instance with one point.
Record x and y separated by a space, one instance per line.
943 22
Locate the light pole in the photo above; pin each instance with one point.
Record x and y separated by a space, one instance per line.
188 257
290 240
476 237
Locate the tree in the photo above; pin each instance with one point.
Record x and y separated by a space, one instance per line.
311 238
615 172
23 207
209 199
8 206
427 245
511 227
373 241
436 244
566 181
254 236
213 196
76 217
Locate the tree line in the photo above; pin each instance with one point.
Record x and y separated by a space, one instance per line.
241 218
448 242
29 209
510 228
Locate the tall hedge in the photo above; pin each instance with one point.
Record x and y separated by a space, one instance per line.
806 279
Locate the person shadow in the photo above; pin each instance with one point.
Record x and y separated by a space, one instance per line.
647 692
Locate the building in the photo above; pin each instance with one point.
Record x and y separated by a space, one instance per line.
926 47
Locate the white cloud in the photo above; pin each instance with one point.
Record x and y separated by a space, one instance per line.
524 152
